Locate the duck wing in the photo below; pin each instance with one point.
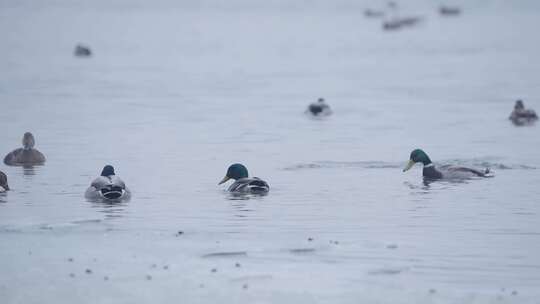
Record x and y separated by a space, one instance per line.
108 182
249 185
456 171
11 158
32 156
109 187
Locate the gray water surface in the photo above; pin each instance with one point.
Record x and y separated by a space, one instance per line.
176 92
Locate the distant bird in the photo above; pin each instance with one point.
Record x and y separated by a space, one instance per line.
398 23
26 155
243 183
449 10
82 51
444 172
108 186
370 13
3 182
521 116
319 108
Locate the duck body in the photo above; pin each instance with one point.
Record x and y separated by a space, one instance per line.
398 23
451 172
371 13
82 51
27 155
243 184
521 116
253 185
449 10
3 182
448 172
319 108
21 157
108 186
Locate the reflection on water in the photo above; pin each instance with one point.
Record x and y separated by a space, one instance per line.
29 170
419 189
474 163
245 196
448 181
343 164
112 209
242 208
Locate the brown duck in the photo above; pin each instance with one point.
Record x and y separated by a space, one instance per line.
27 155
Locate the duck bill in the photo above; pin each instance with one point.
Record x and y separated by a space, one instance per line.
226 178
409 165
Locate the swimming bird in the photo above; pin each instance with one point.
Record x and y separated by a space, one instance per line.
449 10
521 116
243 183
3 182
371 13
444 172
397 23
26 155
319 108
108 186
82 51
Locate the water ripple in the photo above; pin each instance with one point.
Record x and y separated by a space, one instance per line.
475 163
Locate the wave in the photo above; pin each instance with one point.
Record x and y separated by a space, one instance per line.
343 164
474 163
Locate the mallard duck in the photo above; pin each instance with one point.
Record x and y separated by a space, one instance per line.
444 172
108 186
243 183
82 51
26 155
521 116
3 182
319 108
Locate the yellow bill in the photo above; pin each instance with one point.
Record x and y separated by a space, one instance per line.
409 165
226 178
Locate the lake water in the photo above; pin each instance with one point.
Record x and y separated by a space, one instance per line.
176 92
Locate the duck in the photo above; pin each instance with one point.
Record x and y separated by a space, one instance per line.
371 13
82 51
3 182
398 23
27 155
444 172
242 182
449 10
108 186
521 116
319 108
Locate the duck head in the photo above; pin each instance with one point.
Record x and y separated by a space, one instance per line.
108 170
417 156
28 141
3 181
235 171
519 105
320 100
